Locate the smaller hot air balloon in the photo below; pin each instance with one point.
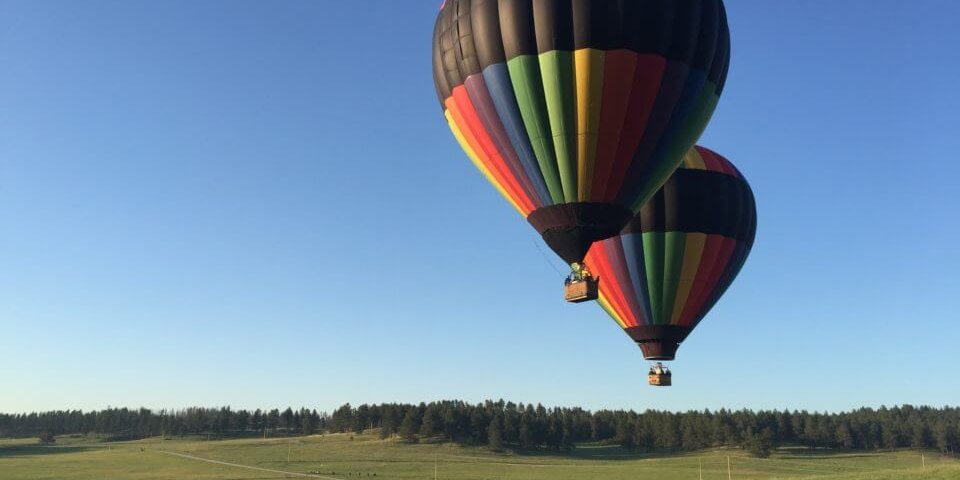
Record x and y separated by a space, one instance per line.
677 257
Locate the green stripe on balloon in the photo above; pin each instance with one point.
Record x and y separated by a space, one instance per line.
653 245
674 249
556 68
525 77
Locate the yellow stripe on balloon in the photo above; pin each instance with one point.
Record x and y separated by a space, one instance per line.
465 145
693 160
692 252
605 304
588 70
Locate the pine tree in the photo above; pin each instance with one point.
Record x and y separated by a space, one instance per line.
760 445
388 424
526 432
554 435
242 420
624 435
944 436
257 421
361 419
273 420
890 436
431 422
844 435
386 430
286 419
495 434
451 423
568 434
920 437
342 419
478 426
308 422
408 427
510 431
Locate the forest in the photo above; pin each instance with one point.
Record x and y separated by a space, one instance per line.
517 426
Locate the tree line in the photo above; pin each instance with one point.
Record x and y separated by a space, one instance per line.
502 425
129 424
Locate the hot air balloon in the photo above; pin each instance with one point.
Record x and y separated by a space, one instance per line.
577 111
676 258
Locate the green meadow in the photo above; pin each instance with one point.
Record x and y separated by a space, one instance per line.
343 456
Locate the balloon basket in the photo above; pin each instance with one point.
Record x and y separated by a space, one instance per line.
660 379
579 291
660 376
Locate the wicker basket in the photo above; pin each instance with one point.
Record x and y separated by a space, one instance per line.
660 379
582 291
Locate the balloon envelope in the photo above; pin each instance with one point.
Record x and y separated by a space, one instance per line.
674 260
577 111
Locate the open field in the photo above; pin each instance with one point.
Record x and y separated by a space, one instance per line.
340 457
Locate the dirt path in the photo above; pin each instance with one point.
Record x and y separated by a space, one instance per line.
239 465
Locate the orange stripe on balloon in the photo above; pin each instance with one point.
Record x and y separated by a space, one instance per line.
600 260
596 261
488 166
483 143
605 304
462 141
499 179
621 268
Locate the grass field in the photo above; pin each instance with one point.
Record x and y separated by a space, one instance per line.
340 457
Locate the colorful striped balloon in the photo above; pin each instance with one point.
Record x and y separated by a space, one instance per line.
577 111
674 260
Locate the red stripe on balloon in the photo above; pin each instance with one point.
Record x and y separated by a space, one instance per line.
716 163
487 151
487 114
618 82
599 260
621 268
598 263
710 161
646 86
724 249
711 248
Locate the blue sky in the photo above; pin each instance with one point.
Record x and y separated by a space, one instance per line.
259 204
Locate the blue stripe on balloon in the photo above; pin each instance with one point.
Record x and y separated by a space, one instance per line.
633 256
483 104
498 82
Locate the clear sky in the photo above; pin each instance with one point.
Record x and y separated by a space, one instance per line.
259 204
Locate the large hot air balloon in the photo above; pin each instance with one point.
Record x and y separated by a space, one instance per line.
674 260
578 110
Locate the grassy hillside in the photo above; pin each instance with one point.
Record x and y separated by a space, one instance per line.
339 456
